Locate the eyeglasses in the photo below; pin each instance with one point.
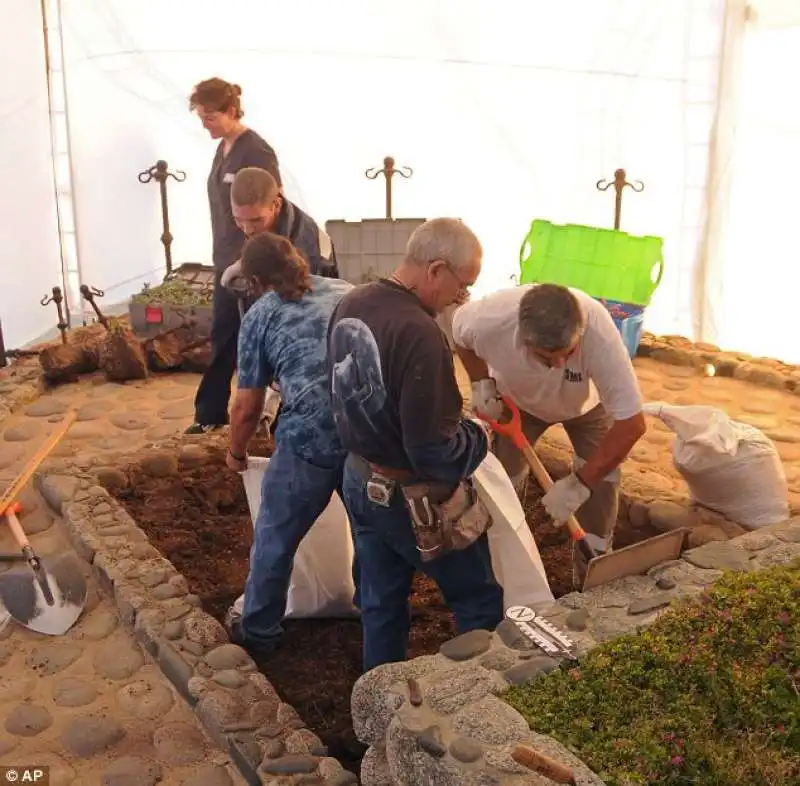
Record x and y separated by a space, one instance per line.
462 285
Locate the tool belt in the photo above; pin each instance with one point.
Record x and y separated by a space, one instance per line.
443 519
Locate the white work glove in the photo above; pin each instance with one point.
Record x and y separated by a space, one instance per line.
231 273
485 399
564 499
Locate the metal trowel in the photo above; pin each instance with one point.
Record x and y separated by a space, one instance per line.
47 595
602 568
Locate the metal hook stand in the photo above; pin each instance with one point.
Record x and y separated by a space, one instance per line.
388 172
619 182
160 173
89 294
58 298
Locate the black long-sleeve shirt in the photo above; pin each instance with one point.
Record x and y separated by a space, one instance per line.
395 397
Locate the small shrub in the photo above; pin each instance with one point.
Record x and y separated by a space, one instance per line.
175 292
709 695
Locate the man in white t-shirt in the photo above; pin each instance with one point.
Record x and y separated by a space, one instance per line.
556 353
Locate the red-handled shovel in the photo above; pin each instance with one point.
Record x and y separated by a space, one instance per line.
631 560
513 430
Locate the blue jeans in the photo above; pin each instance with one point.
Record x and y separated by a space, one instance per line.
386 551
294 492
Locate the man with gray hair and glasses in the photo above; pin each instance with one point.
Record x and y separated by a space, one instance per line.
407 480
557 354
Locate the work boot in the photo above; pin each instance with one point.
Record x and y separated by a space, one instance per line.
200 428
256 649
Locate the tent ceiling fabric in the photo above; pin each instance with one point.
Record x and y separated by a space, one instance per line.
505 117
768 14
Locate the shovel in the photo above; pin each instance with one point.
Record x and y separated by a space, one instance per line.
602 568
49 594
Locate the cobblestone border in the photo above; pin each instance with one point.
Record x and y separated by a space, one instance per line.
20 384
438 719
236 704
680 351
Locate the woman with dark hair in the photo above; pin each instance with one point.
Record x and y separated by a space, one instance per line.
218 105
283 339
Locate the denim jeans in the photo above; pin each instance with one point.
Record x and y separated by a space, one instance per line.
387 554
294 493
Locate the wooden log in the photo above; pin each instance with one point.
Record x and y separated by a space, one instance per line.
66 362
121 355
197 358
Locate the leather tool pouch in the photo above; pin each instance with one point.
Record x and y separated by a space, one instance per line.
445 520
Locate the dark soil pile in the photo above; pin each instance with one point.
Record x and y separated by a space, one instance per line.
201 522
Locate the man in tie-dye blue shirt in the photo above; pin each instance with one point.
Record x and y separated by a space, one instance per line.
283 339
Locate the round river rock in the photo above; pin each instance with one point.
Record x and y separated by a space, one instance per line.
145 700
118 660
73 692
28 720
87 735
179 743
132 771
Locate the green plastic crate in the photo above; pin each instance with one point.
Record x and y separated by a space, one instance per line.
604 263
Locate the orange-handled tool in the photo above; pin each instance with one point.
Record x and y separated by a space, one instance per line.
9 495
28 554
14 509
513 430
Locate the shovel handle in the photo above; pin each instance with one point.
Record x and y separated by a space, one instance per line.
16 527
512 429
544 765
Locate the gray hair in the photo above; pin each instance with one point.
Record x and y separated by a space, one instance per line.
253 186
550 318
448 239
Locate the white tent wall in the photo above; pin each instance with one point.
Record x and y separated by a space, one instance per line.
504 116
30 265
762 275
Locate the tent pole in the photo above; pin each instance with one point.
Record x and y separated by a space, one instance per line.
75 305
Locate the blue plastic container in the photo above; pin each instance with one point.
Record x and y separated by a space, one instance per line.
629 320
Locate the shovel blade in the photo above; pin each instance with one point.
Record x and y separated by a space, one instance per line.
634 560
24 600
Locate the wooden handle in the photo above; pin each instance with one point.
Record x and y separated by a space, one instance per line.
544 765
9 495
546 482
16 529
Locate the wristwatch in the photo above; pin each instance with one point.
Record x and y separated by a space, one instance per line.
235 457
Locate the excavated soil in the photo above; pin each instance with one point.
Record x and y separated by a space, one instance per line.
200 521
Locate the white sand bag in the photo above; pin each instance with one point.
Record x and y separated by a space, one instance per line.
322 578
730 467
515 558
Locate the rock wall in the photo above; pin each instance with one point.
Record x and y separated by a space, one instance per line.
680 351
438 719
236 704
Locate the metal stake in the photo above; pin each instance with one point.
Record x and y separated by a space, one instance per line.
3 358
89 294
619 182
160 172
58 298
388 172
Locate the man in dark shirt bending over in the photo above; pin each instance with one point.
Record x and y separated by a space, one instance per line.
398 412
257 205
